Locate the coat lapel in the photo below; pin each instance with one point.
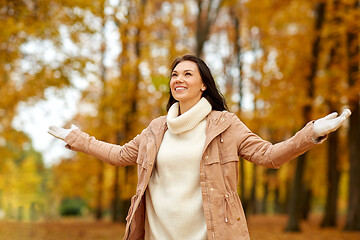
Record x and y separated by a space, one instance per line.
159 128
216 123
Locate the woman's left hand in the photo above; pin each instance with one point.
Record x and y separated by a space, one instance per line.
330 123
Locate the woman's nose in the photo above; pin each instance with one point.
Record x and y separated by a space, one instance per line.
178 79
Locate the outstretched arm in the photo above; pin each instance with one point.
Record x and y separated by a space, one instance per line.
261 152
110 153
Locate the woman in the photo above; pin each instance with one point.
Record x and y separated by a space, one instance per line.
187 161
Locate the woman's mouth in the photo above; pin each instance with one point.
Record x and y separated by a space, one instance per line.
180 88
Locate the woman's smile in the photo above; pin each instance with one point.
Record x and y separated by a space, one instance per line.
186 84
180 88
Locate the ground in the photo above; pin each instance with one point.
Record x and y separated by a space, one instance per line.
268 228
260 227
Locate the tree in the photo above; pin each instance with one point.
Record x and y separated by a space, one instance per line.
22 181
353 215
297 188
236 15
102 77
207 13
334 39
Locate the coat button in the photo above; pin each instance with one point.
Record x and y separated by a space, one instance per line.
151 164
211 189
206 157
222 119
238 219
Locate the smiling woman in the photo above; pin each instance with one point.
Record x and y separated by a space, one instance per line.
188 160
198 73
186 85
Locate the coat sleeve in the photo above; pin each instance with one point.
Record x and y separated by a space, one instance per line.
262 152
110 153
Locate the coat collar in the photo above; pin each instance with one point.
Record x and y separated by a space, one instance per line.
216 123
214 118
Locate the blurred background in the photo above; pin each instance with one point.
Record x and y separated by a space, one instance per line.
104 66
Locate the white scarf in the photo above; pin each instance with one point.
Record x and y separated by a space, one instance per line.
188 120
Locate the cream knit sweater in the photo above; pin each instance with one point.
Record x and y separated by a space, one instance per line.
173 198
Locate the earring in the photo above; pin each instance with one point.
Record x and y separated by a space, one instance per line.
203 89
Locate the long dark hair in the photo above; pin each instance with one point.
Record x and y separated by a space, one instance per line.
211 93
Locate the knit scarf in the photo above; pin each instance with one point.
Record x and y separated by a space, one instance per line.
189 119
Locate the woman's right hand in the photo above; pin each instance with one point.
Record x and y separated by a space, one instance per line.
61 133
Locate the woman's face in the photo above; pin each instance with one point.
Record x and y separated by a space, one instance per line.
186 84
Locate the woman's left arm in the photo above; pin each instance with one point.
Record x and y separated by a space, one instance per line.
261 152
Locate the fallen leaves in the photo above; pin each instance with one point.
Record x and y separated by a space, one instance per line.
261 228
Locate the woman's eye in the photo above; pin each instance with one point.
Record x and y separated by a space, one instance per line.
187 74
174 75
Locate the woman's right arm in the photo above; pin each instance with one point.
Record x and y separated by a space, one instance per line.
110 153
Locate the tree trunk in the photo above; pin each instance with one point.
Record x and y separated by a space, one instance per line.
335 57
235 16
242 184
207 13
279 206
294 204
295 198
265 198
120 135
234 12
306 202
99 192
136 16
116 197
353 211
353 215
333 182
100 177
252 204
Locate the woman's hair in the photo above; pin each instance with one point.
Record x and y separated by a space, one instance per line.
211 93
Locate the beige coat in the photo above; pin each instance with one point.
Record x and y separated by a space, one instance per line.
227 138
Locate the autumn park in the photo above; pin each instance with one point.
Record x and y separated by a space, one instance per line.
104 65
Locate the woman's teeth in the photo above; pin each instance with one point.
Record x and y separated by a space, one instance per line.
180 88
